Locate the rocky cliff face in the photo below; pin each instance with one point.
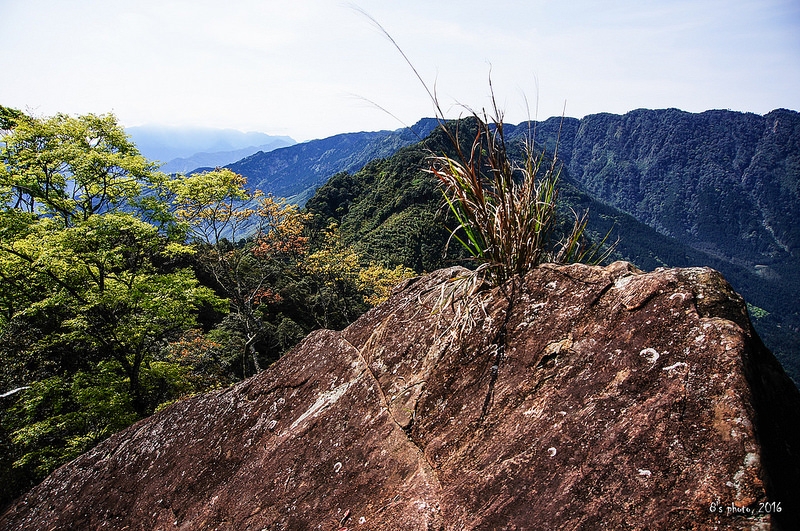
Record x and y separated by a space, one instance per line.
576 398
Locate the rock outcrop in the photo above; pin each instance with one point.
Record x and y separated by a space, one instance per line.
576 398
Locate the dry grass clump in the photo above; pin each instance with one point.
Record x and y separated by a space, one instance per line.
506 211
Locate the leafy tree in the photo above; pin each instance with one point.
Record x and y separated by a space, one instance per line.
378 281
94 285
71 167
101 275
219 212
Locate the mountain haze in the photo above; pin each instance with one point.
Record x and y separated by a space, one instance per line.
164 143
219 158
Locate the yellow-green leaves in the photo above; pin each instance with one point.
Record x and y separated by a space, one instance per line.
336 264
378 281
212 205
71 167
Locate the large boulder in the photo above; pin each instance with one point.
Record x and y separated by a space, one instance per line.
576 398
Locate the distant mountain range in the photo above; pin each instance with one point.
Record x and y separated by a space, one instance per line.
183 149
219 158
295 172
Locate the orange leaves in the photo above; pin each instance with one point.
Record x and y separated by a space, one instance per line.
266 296
280 229
191 348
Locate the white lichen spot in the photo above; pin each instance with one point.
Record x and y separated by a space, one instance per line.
751 459
551 451
681 295
362 520
700 338
551 285
337 467
622 282
672 368
650 354
644 472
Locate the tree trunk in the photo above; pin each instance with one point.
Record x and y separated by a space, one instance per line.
250 348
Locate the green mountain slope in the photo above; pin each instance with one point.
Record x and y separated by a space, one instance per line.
726 182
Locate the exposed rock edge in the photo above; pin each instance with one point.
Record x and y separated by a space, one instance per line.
576 398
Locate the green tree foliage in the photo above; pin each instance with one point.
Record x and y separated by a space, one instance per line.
71 167
102 277
389 212
92 289
341 288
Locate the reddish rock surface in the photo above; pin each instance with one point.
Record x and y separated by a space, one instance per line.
578 398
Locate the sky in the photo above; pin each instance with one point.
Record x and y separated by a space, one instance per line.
314 68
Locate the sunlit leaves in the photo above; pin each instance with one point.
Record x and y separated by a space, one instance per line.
212 205
377 281
94 284
280 229
71 167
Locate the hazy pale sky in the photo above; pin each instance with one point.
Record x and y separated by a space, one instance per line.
309 68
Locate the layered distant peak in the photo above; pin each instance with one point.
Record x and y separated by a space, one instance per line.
164 143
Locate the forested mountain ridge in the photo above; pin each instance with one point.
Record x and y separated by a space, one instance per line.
680 189
297 171
727 182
